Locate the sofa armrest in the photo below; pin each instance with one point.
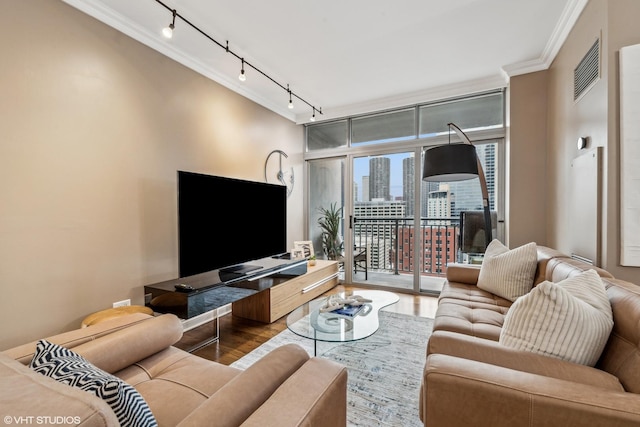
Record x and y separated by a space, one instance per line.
463 273
314 396
234 402
459 392
24 353
127 346
494 353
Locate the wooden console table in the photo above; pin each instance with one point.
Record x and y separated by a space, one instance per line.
264 295
282 295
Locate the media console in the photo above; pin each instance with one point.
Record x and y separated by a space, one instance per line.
273 290
191 296
265 294
280 296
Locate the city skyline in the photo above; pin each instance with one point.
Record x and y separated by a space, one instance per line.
395 178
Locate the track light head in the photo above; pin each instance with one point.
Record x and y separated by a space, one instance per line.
313 118
242 77
168 31
290 100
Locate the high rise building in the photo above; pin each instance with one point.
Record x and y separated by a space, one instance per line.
375 229
408 184
487 154
379 178
439 206
365 189
439 248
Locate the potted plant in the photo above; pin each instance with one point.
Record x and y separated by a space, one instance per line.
329 223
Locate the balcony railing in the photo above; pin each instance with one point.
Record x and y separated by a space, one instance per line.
390 243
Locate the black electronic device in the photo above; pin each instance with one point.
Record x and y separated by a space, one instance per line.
472 240
225 223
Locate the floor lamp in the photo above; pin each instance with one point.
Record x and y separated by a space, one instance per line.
458 162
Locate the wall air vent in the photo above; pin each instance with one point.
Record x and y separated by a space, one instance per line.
587 72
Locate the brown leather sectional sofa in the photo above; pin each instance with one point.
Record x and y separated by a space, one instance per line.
284 388
472 380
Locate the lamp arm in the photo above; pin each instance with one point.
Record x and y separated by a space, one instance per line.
463 136
483 187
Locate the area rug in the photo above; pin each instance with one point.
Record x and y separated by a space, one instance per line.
385 369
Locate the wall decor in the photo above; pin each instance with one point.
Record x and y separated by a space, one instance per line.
630 156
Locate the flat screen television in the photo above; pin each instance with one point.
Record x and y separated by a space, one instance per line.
225 223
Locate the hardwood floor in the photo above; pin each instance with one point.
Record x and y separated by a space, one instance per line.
239 336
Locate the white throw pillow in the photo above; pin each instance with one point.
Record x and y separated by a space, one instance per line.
508 273
569 320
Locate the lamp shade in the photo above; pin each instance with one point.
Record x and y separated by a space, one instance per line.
451 162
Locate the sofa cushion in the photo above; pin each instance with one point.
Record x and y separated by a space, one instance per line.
454 291
246 392
174 383
69 368
508 273
470 318
570 320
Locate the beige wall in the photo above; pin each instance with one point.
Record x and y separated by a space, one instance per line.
568 120
93 127
595 115
526 160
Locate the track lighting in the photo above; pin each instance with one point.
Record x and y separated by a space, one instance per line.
168 31
242 77
313 117
290 100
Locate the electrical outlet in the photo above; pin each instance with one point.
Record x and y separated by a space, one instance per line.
122 303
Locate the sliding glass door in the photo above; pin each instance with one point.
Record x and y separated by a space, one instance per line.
451 218
381 215
325 194
394 230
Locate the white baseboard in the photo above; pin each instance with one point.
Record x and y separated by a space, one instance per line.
201 319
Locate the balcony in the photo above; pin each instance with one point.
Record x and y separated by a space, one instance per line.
389 244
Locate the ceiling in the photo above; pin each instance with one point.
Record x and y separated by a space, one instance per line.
351 56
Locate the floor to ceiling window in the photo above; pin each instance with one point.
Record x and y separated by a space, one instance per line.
396 230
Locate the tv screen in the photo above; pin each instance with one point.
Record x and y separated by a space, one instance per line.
226 222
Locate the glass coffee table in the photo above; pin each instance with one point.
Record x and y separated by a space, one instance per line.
307 320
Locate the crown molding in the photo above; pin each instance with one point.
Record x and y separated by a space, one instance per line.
107 16
570 15
565 24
